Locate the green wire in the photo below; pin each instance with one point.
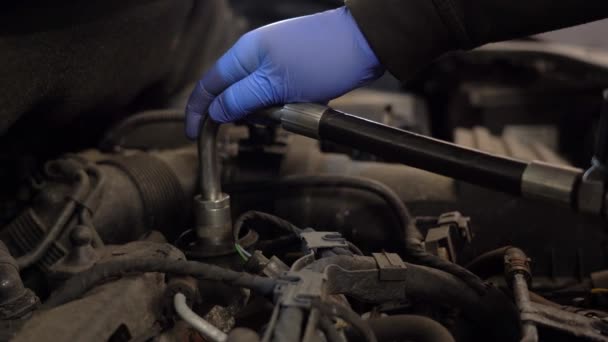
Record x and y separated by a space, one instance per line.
240 252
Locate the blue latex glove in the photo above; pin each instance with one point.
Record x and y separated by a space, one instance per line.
309 59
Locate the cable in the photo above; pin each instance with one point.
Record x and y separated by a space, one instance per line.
115 137
274 220
208 331
252 215
76 286
407 232
242 252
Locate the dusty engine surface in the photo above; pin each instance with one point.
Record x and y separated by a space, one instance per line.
313 224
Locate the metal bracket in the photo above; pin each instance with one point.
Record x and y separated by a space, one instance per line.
323 240
299 289
390 266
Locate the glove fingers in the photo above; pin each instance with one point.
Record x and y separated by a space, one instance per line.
198 103
242 98
226 71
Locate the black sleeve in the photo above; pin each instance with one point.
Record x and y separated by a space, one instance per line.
409 34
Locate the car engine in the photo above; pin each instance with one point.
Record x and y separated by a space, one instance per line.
469 204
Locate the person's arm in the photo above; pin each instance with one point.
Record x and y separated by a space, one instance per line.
322 56
409 34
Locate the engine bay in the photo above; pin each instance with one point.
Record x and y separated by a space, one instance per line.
462 206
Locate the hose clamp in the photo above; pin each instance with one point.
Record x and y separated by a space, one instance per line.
302 118
390 266
549 182
213 219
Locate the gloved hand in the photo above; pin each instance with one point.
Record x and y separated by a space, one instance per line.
309 59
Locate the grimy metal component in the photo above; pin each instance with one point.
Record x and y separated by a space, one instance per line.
211 206
213 220
522 298
550 182
208 163
575 324
518 274
208 330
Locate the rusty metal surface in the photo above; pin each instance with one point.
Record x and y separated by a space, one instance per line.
129 302
129 306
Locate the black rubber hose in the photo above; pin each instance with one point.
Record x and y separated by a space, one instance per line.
409 328
493 312
408 232
116 135
444 158
83 282
489 263
289 325
282 224
276 221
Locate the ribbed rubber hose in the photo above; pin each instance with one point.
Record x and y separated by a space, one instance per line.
162 195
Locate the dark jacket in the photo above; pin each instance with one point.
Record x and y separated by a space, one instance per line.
409 34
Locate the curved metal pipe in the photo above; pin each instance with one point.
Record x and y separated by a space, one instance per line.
208 331
209 173
211 206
